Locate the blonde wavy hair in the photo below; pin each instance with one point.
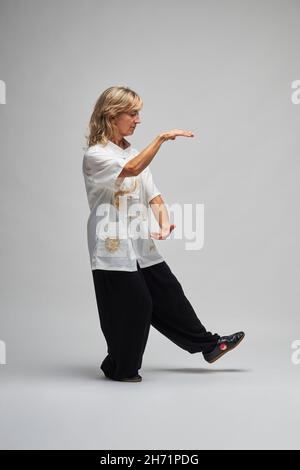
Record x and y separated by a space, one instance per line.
112 102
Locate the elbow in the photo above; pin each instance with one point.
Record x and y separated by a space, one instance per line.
132 170
128 171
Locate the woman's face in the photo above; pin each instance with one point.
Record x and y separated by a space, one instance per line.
126 122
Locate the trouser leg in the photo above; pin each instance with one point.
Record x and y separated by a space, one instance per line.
172 313
125 309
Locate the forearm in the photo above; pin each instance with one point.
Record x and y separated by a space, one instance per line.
137 164
160 211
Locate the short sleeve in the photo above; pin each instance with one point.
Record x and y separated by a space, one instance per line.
102 168
151 190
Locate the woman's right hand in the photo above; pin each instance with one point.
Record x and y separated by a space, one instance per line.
171 135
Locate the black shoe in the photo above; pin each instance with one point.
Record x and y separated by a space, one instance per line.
224 345
135 378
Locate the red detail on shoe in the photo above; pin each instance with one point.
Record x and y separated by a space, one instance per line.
223 346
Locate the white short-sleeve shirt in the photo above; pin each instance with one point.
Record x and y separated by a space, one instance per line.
106 193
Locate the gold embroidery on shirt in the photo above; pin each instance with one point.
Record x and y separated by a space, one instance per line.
112 244
122 192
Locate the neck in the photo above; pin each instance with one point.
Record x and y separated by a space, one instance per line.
120 141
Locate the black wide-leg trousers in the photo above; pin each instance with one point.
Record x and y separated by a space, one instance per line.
130 301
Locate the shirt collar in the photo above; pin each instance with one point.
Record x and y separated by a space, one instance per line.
119 149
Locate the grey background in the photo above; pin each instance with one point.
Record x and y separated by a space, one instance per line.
222 69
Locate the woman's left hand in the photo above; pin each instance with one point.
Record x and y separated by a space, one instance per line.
164 232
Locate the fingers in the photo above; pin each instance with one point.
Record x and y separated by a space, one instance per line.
171 135
187 134
162 235
155 235
180 132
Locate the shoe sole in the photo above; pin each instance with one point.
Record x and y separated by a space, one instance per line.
139 379
124 380
226 351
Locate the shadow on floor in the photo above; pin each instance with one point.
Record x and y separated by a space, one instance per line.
71 371
195 370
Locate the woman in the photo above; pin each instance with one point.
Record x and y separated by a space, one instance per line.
134 285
